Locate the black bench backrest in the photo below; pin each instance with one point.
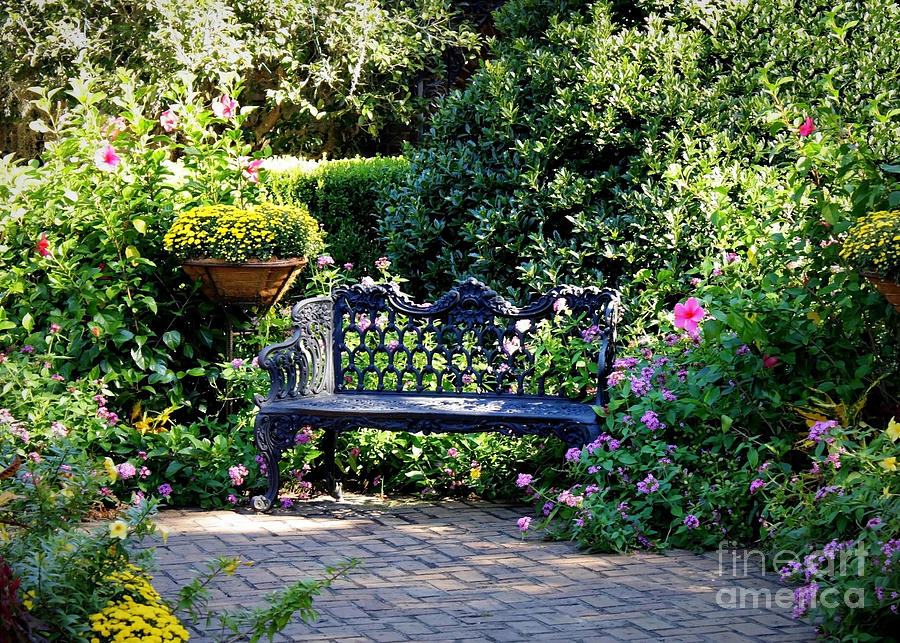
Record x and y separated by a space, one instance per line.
471 340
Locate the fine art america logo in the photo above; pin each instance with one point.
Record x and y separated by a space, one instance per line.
753 563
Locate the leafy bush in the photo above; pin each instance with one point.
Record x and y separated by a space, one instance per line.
440 465
601 142
330 75
341 196
84 272
836 526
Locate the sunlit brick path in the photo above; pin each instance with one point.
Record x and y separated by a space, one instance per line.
459 571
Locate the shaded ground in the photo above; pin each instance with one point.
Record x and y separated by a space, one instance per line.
459 571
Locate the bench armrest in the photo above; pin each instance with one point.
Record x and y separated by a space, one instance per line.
612 313
301 365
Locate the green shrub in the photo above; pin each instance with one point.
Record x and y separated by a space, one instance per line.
601 141
326 77
341 196
836 527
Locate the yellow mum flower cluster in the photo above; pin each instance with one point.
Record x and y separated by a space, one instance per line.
873 244
229 233
127 620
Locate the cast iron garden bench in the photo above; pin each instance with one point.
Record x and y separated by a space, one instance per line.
370 357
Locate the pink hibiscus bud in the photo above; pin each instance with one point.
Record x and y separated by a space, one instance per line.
769 361
808 127
169 120
689 314
226 107
106 159
251 171
115 127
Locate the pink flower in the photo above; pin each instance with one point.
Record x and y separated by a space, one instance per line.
452 452
43 245
354 452
115 127
126 470
524 523
808 127
689 314
769 361
55 328
106 159
325 260
251 172
511 346
226 107
382 263
169 120
348 266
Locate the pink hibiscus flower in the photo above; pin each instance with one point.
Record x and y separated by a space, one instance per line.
689 314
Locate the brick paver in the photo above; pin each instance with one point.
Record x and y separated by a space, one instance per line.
460 571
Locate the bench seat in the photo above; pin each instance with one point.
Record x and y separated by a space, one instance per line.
442 407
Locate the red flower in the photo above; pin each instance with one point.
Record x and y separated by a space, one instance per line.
770 361
42 246
808 127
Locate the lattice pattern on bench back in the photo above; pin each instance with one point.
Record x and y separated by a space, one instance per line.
471 340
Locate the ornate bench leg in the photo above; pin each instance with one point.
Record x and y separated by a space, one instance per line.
271 454
335 488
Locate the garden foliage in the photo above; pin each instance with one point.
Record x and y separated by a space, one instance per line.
629 146
341 195
323 74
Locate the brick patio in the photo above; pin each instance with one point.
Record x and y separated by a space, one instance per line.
459 571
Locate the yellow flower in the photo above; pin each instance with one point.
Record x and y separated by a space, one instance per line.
889 463
27 599
163 532
118 530
893 430
475 473
110 469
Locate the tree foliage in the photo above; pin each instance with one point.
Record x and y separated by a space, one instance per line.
324 71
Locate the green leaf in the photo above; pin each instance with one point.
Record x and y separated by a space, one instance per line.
726 423
140 225
171 338
28 322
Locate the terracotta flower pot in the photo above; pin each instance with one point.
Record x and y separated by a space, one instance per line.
254 283
888 288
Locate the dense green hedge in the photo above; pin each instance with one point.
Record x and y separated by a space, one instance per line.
341 196
604 139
